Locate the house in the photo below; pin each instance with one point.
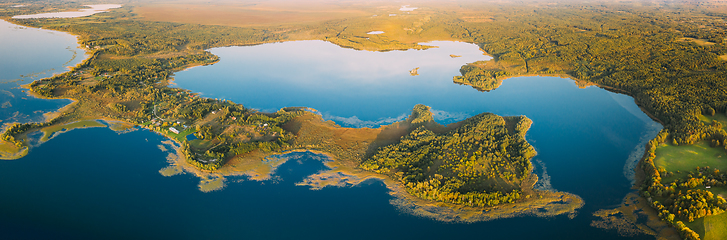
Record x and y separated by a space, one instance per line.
174 130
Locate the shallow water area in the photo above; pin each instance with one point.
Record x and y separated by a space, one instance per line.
30 54
96 8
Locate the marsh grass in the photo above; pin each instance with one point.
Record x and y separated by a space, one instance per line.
9 151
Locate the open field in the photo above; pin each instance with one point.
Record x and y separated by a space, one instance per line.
715 227
687 158
719 117
710 227
200 144
181 137
700 42
246 14
719 191
8 151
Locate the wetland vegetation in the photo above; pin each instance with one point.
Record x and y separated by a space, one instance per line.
669 58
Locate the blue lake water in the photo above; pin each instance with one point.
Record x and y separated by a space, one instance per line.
30 54
95 183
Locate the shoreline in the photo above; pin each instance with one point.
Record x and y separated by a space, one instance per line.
608 88
390 186
639 174
548 204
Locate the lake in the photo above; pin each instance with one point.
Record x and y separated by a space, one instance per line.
30 54
87 184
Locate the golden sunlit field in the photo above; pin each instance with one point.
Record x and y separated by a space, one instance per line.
232 13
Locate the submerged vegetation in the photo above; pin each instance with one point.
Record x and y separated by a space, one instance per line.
668 57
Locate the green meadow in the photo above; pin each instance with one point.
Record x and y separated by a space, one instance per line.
682 159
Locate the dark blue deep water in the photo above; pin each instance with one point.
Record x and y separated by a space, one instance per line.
98 184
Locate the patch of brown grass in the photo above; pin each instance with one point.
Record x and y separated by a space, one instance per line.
700 42
477 19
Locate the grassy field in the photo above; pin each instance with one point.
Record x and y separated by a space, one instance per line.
8 151
200 144
246 14
720 191
710 227
700 42
715 227
719 117
687 158
7 147
696 226
179 137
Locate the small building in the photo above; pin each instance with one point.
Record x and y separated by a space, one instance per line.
174 130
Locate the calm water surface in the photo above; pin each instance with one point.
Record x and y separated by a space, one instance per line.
96 183
30 54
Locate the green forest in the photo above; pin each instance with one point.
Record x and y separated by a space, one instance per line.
481 163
